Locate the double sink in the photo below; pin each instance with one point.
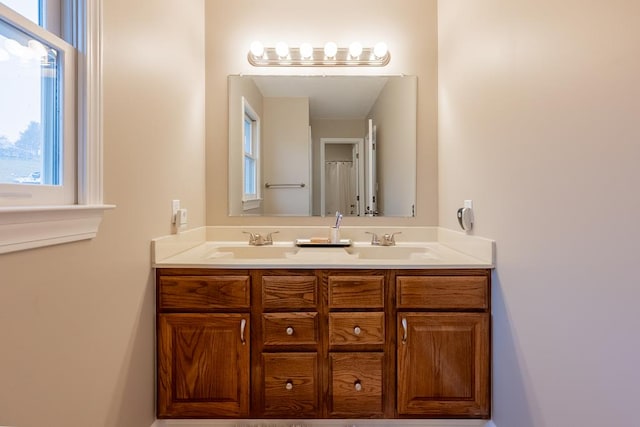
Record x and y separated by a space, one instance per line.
292 252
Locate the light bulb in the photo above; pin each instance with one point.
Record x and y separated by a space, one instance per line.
330 49
380 50
282 50
306 51
257 49
355 49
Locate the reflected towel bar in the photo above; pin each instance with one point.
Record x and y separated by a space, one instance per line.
301 185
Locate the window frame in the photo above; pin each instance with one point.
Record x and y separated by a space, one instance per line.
64 194
28 227
250 200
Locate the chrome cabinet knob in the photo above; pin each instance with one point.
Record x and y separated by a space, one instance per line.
289 385
357 385
357 330
289 330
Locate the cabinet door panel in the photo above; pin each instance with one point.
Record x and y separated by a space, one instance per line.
204 292
290 329
355 381
356 291
289 292
443 292
203 365
290 385
349 329
443 364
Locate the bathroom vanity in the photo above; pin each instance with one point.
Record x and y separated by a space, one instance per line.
341 337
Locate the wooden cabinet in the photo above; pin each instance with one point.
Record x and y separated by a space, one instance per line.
203 330
443 346
326 343
356 302
286 355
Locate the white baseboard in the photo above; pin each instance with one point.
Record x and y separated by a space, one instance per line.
322 423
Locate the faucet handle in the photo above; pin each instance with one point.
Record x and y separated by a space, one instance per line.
253 237
269 236
390 239
374 238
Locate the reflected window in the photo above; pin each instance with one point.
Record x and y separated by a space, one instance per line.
251 157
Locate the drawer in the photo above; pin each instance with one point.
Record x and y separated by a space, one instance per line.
356 329
204 292
356 291
355 384
290 385
282 329
442 292
289 292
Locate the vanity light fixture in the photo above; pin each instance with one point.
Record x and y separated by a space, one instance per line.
328 56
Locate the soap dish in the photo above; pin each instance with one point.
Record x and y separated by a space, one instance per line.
322 243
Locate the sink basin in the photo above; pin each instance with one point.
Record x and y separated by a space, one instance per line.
390 252
252 252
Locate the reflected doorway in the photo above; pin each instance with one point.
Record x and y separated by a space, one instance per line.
341 176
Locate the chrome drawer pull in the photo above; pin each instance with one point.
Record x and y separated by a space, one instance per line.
404 328
243 324
289 385
357 385
289 330
357 330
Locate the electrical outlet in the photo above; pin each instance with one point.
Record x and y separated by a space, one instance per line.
175 207
181 217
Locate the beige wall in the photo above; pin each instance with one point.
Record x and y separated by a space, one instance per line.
538 109
409 28
77 320
285 153
397 183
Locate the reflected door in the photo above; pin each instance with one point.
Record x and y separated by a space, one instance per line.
371 179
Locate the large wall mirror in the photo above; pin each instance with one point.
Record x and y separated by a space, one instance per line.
314 145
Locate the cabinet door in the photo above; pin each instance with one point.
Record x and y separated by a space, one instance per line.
356 385
203 365
290 385
443 364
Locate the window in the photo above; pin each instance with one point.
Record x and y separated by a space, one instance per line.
50 122
37 114
251 157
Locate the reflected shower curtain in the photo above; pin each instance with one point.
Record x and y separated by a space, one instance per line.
340 188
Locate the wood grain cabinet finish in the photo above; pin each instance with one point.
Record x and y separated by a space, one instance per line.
323 343
355 385
290 385
443 353
203 365
287 361
203 332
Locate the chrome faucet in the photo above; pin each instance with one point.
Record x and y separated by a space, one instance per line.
257 239
385 240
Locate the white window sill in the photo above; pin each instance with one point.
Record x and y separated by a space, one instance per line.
251 204
29 227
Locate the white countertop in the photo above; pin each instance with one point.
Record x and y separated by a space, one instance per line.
416 247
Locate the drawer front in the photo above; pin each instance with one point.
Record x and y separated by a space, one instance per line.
289 292
204 292
355 382
442 292
283 329
290 385
356 329
356 291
